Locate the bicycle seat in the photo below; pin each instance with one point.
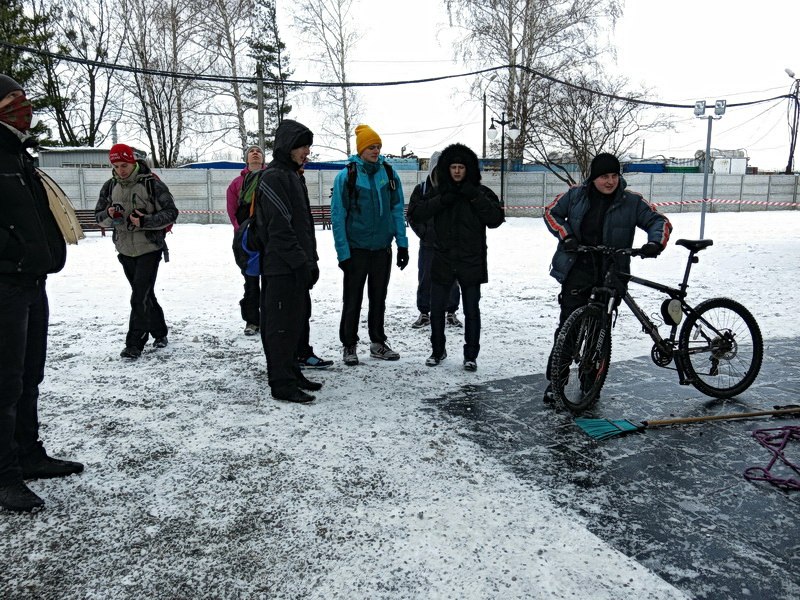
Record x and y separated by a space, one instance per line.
695 245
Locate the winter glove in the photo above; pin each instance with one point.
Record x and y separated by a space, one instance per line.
650 250
313 275
469 191
402 258
448 198
570 244
344 265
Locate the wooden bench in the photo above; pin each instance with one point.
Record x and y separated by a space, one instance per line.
321 215
87 220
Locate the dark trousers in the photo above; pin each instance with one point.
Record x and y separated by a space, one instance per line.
284 312
24 318
424 265
251 301
575 292
471 299
304 348
147 317
370 267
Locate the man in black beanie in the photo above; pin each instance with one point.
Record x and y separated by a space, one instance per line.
31 247
599 212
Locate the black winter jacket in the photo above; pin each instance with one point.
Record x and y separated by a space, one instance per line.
284 228
461 213
31 245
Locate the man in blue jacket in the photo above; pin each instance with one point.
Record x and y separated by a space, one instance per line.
599 212
31 247
367 213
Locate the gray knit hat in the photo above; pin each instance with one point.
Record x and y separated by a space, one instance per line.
256 146
8 85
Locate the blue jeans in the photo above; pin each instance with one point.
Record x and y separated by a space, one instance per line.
471 298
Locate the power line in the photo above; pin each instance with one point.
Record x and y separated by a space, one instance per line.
324 84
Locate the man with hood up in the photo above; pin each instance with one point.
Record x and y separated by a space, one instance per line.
461 209
284 234
427 242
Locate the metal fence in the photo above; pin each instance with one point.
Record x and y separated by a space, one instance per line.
200 193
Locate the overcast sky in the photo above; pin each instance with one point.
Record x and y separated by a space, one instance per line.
683 50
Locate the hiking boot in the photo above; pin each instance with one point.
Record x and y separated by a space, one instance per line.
452 319
16 496
309 386
423 320
38 465
549 397
470 365
434 360
251 329
293 395
313 361
382 351
131 352
160 342
349 355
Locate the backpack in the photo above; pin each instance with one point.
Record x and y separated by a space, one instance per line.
352 190
247 195
245 245
149 184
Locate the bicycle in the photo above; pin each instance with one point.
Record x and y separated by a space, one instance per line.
718 350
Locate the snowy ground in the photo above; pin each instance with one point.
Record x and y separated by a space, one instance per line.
198 485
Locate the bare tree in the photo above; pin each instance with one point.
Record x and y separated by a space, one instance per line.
577 124
163 37
79 97
329 24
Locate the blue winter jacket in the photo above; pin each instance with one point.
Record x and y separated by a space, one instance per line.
374 217
628 210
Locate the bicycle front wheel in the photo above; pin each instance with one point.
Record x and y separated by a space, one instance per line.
721 348
581 356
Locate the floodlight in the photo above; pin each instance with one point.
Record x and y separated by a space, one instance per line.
719 107
699 108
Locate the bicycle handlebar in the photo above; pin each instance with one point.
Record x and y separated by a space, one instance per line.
609 251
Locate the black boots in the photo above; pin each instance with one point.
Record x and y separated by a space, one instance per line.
15 495
38 465
292 395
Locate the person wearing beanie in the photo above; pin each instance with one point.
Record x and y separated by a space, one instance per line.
602 211
367 214
31 248
427 241
250 302
139 207
283 231
461 209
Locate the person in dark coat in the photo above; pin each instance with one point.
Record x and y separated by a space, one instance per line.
284 233
140 208
31 247
461 209
599 212
427 243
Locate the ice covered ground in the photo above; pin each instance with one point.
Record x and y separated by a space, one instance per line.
198 484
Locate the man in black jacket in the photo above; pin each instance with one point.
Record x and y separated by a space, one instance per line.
31 247
461 209
284 233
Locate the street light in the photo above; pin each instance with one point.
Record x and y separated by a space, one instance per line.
513 133
486 85
700 113
794 119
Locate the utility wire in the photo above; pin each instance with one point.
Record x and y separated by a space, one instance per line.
324 84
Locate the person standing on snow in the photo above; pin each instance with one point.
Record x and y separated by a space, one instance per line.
427 242
31 247
249 304
284 234
599 212
139 207
462 209
367 213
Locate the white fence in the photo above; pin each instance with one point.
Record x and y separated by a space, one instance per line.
200 193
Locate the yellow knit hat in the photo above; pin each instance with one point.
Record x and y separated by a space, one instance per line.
366 136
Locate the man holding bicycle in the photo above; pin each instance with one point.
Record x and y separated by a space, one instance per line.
601 211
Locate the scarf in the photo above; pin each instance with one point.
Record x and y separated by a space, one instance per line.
18 113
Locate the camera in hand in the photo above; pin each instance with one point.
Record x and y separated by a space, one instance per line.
118 214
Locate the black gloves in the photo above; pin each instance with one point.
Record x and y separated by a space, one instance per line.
313 273
402 258
448 198
650 250
570 244
345 264
469 191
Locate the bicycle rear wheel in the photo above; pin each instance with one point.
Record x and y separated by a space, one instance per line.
581 356
721 348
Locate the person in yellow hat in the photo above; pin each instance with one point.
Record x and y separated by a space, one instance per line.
367 214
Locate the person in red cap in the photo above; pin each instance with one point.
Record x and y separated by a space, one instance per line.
139 207
31 247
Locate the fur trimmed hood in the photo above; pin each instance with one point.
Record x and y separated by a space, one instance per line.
461 154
